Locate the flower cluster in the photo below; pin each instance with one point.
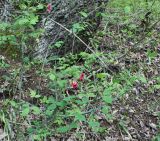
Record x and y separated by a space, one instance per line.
81 78
49 8
74 84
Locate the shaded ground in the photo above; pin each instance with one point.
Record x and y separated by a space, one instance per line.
135 115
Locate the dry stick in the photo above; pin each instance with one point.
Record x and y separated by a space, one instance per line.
102 62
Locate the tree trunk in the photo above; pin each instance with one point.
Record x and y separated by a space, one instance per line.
66 13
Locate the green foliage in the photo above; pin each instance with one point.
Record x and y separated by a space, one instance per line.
33 94
16 36
78 27
3 64
45 103
84 14
107 95
157 138
25 109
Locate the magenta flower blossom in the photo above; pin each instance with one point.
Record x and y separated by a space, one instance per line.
49 8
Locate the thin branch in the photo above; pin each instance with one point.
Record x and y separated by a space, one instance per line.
102 62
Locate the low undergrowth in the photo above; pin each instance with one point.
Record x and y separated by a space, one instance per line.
109 91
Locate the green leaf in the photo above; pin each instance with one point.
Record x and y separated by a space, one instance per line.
69 98
36 110
52 76
44 99
143 79
49 112
52 107
33 20
157 86
85 100
157 137
84 14
61 103
127 9
105 110
59 121
107 91
151 54
13 103
90 95
22 21
81 95
62 83
58 44
23 6
77 27
73 71
40 6
79 102
33 94
51 99
3 38
4 26
101 75
107 99
94 124
80 117
63 129
25 110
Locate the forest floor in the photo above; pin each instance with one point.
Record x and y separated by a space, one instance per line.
135 115
116 101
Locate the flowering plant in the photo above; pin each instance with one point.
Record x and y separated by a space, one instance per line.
49 8
74 84
81 78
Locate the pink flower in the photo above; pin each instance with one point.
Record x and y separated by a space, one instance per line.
81 78
49 8
74 84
